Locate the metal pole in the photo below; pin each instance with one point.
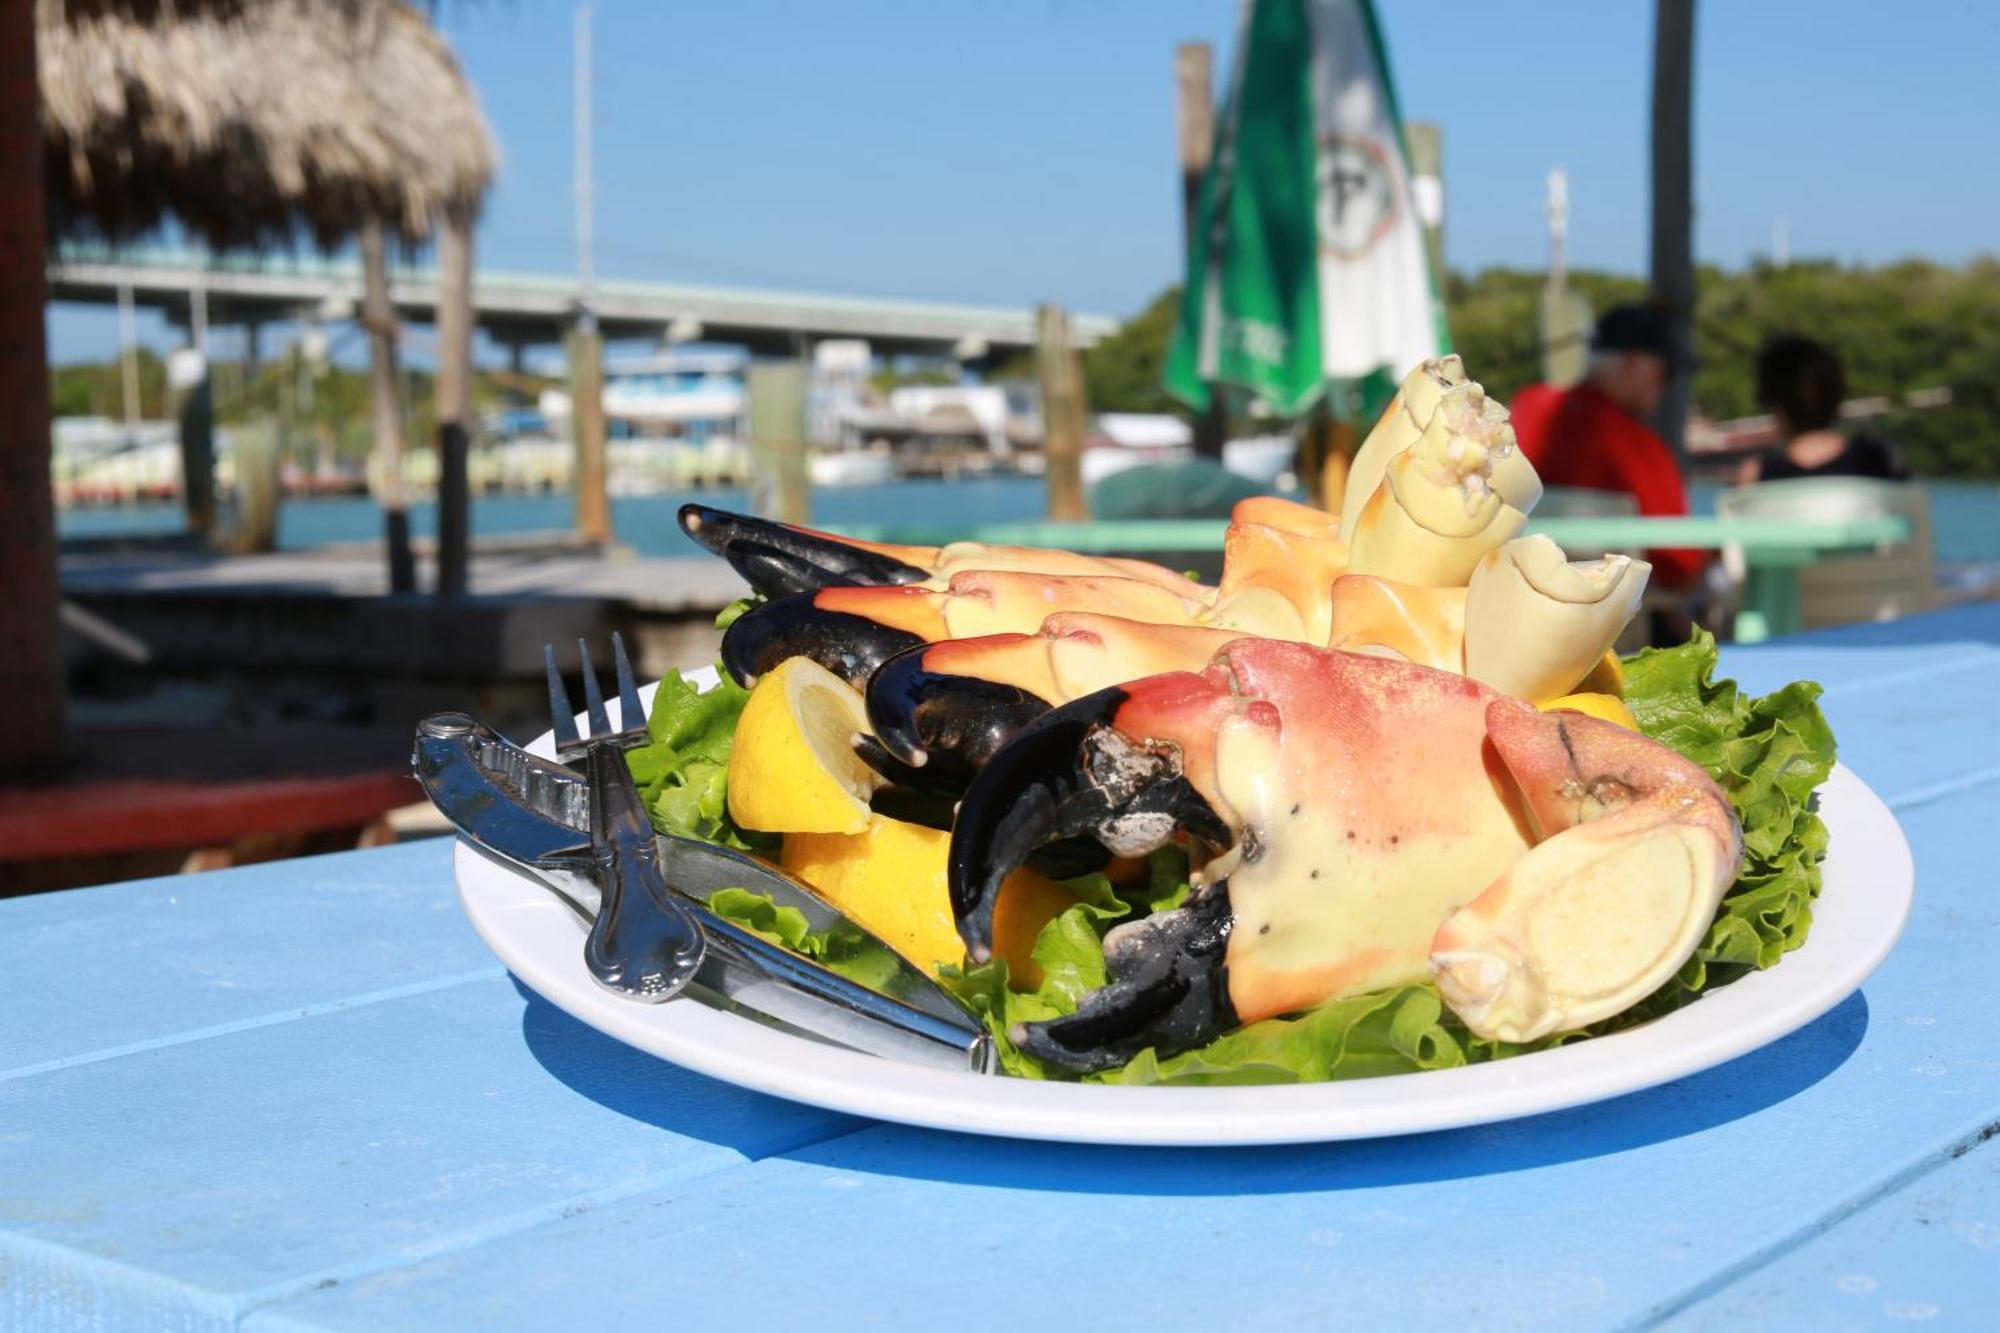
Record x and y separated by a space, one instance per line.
1673 198
585 238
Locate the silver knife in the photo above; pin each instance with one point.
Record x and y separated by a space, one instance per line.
534 813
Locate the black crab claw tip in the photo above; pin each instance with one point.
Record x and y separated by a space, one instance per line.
779 561
1168 990
848 645
946 725
1069 773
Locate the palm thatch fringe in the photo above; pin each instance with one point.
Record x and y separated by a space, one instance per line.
253 122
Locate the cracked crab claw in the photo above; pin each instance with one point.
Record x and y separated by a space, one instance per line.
1639 848
1537 622
779 560
1408 413
1438 511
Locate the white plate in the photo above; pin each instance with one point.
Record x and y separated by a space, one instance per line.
1860 913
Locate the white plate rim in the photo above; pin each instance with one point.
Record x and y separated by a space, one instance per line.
1863 905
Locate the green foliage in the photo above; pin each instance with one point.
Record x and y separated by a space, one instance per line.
1122 373
1898 327
98 390
331 403
892 378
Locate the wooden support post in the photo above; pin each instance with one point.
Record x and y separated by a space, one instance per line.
1061 378
1425 144
1673 199
256 459
780 486
586 423
31 675
379 317
196 417
454 403
454 510
1194 96
1326 451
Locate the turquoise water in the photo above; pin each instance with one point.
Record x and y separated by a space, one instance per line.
1966 515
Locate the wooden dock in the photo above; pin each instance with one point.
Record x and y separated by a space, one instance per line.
320 631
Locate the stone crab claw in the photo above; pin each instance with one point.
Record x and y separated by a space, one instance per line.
948 707
1633 854
778 559
1073 773
853 630
1370 819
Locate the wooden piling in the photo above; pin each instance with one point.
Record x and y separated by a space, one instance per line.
256 461
1194 97
1326 451
780 486
454 403
195 414
378 316
586 420
1061 376
454 510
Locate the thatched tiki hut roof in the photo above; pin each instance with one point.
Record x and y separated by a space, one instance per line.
247 122
251 122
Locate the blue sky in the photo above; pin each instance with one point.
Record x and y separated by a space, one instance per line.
981 151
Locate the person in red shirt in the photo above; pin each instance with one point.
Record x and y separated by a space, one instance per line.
1595 437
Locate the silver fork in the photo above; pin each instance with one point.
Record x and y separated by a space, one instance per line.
645 944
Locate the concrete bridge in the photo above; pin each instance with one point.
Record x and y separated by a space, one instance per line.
522 310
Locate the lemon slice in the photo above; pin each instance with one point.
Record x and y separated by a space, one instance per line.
1608 707
1607 677
793 768
890 877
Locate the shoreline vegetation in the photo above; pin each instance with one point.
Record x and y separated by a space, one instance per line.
1898 327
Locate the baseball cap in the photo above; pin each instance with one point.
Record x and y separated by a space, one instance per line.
1638 328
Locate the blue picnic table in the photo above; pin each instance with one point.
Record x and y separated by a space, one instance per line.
303 1096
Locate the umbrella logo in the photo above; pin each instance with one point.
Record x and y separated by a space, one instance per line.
1357 196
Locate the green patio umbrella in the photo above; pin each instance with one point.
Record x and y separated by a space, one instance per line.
1308 276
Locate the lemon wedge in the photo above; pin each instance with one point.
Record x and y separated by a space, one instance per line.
793 768
890 878
1607 677
1608 707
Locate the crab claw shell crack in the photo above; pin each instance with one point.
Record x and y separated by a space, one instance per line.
1537 622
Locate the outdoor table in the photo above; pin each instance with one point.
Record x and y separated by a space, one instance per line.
1774 549
303 1096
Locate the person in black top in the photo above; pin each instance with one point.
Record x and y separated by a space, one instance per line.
1800 383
